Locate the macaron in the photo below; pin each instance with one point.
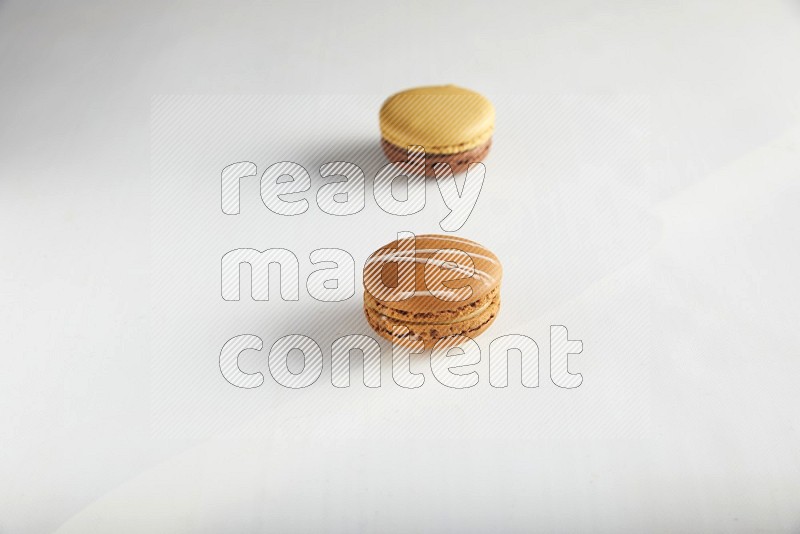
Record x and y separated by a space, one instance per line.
454 125
429 287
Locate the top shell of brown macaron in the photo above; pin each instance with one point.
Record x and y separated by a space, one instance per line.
431 273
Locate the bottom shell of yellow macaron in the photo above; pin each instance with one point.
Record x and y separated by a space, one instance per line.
458 162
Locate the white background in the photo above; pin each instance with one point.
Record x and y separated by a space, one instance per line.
643 191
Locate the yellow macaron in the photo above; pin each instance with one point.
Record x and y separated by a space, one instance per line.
454 125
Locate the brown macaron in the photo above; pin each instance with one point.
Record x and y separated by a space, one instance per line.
454 125
430 287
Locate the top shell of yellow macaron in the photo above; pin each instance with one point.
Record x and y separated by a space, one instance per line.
444 119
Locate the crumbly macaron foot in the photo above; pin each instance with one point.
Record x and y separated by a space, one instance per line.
430 333
458 312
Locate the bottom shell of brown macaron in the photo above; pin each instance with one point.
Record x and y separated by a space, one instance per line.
469 320
459 161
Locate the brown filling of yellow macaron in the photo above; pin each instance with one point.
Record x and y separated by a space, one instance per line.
459 162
